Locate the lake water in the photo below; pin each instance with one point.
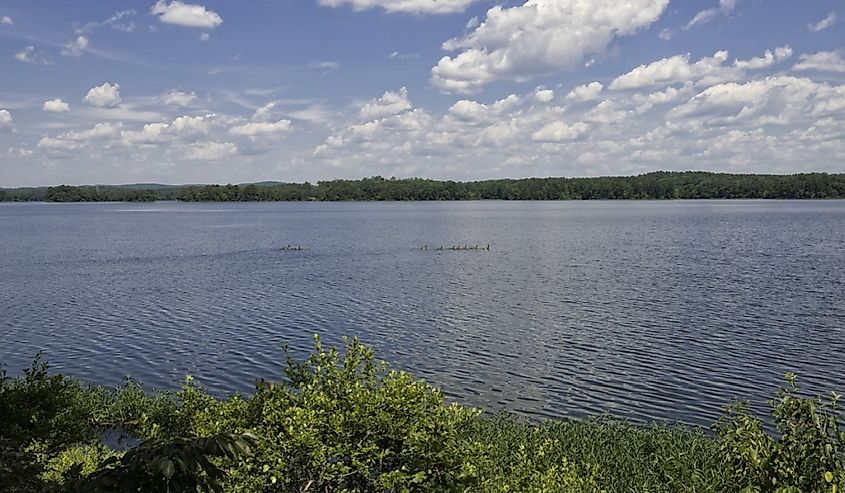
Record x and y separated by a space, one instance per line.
647 310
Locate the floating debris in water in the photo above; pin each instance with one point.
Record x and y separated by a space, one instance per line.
291 248
458 247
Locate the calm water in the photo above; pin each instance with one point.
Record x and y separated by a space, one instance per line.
640 309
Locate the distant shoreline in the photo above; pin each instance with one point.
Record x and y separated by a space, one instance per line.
651 186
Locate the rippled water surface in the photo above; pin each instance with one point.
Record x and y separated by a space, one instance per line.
640 309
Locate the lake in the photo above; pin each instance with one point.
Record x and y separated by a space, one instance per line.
646 310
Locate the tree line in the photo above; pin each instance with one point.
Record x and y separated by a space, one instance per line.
654 186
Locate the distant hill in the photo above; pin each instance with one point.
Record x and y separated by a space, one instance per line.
265 183
148 186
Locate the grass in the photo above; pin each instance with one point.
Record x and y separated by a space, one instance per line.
623 457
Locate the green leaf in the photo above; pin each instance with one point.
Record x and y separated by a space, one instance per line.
168 469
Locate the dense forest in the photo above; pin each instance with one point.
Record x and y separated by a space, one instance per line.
655 186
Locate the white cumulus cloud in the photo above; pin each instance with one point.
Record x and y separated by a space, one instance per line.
192 125
742 125
6 20
779 100
210 151
768 59
677 69
647 101
151 133
74 139
474 112
586 92
56 106
5 118
178 98
264 113
390 103
469 111
254 129
706 71
186 14
560 132
75 47
823 61
538 37
608 112
543 95
407 6
104 96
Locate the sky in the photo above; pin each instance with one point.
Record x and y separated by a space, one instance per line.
234 91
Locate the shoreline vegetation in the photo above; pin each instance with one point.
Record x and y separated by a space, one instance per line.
340 421
651 186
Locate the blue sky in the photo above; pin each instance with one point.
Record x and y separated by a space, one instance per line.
295 90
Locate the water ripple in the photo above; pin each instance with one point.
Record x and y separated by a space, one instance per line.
643 310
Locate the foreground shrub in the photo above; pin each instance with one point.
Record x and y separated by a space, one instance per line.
76 462
40 416
343 422
347 424
53 409
808 455
174 466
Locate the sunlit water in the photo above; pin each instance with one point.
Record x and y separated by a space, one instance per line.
647 310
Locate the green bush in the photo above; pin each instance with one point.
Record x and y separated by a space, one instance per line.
347 424
343 422
42 415
808 455
176 466
75 462
54 409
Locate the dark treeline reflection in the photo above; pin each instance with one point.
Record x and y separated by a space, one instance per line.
659 185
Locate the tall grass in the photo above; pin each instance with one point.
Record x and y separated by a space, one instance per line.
622 457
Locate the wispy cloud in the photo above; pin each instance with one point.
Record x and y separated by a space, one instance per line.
325 67
30 55
89 50
404 6
824 23
402 56
119 22
725 7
